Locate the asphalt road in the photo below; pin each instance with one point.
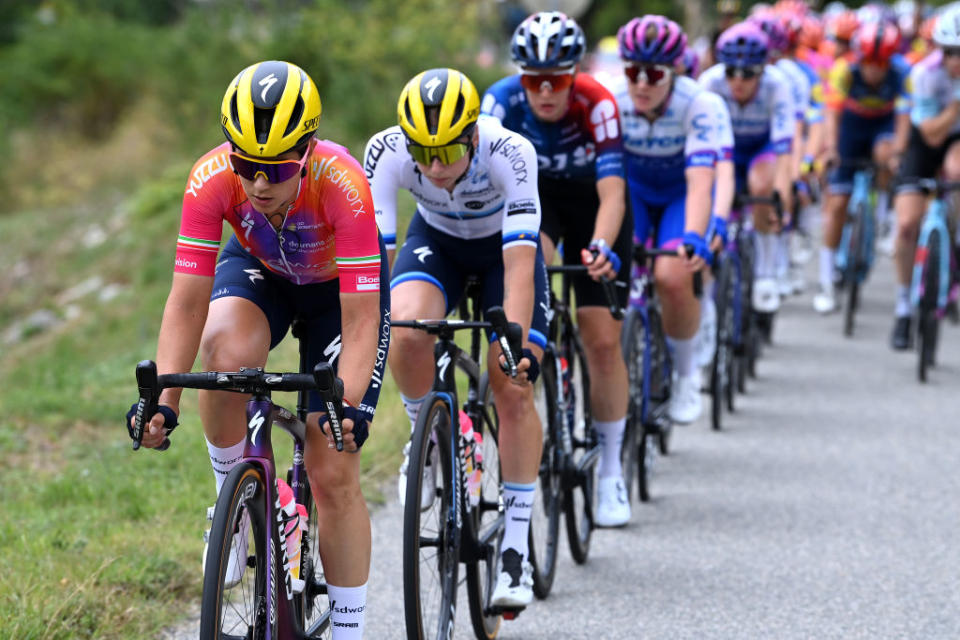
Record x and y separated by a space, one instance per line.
827 508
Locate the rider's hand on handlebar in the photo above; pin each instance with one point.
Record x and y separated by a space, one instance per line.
699 257
522 378
352 439
155 432
600 260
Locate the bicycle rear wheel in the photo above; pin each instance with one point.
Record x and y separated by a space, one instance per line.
661 373
927 322
487 520
238 611
545 517
634 454
431 553
580 488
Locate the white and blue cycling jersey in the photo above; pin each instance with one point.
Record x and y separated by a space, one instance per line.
767 121
658 152
800 85
931 89
498 194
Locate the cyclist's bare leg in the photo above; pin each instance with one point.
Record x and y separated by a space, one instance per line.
834 217
760 183
546 244
608 373
342 518
411 351
521 434
909 207
235 335
681 309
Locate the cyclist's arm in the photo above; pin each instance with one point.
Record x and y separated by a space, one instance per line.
360 321
783 136
901 133
184 316
936 129
699 198
518 276
612 191
725 189
383 163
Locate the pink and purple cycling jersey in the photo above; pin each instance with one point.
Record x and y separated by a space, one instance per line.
584 145
329 232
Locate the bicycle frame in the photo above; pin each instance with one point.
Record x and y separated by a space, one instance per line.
859 200
935 219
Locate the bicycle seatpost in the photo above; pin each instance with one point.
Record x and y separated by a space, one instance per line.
331 392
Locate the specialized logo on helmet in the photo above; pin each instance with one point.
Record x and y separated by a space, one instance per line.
266 83
432 86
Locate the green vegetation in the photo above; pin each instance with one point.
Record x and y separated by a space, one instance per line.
107 104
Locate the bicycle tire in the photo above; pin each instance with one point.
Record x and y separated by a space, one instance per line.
634 455
927 310
851 274
580 499
661 371
720 363
482 574
237 612
421 565
312 606
545 517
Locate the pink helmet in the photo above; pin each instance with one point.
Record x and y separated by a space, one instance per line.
772 25
652 39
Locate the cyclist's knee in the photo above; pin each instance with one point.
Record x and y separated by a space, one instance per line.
221 349
951 164
673 282
335 486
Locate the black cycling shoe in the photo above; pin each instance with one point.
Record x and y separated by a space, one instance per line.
901 339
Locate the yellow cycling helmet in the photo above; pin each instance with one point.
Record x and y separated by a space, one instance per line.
450 94
270 108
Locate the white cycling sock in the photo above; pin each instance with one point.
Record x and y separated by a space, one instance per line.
783 253
518 504
412 407
223 460
610 435
827 260
347 605
883 206
903 301
682 356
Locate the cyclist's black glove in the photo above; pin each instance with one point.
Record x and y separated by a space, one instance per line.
169 418
534 371
361 424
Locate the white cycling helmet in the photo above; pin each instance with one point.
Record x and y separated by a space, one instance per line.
946 33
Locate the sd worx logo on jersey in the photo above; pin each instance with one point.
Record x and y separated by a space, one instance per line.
339 177
514 155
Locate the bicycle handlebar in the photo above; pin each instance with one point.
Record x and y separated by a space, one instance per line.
609 286
248 381
938 188
509 334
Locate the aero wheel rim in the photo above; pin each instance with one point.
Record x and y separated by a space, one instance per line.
243 607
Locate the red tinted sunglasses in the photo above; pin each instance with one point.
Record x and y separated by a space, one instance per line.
274 171
652 74
552 82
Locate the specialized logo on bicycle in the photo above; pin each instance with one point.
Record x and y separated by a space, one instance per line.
255 423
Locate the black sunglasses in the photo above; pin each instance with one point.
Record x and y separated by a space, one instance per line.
747 73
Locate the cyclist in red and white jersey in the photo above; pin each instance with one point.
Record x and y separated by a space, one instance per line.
305 244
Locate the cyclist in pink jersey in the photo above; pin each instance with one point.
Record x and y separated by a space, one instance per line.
305 245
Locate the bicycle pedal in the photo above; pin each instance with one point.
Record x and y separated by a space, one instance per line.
508 613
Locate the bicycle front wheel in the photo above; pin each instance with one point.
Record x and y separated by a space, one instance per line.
720 368
545 517
634 454
312 607
927 321
431 553
237 611
851 274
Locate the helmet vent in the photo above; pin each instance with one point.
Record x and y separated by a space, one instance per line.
262 119
295 117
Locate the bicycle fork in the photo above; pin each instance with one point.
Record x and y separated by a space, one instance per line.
935 220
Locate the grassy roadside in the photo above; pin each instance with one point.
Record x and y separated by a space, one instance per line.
100 542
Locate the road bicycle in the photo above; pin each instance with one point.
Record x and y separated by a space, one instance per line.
934 272
571 448
650 369
458 525
264 604
855 254
757 326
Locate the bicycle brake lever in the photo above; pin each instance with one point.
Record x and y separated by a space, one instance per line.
147 405
498 321
331 391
